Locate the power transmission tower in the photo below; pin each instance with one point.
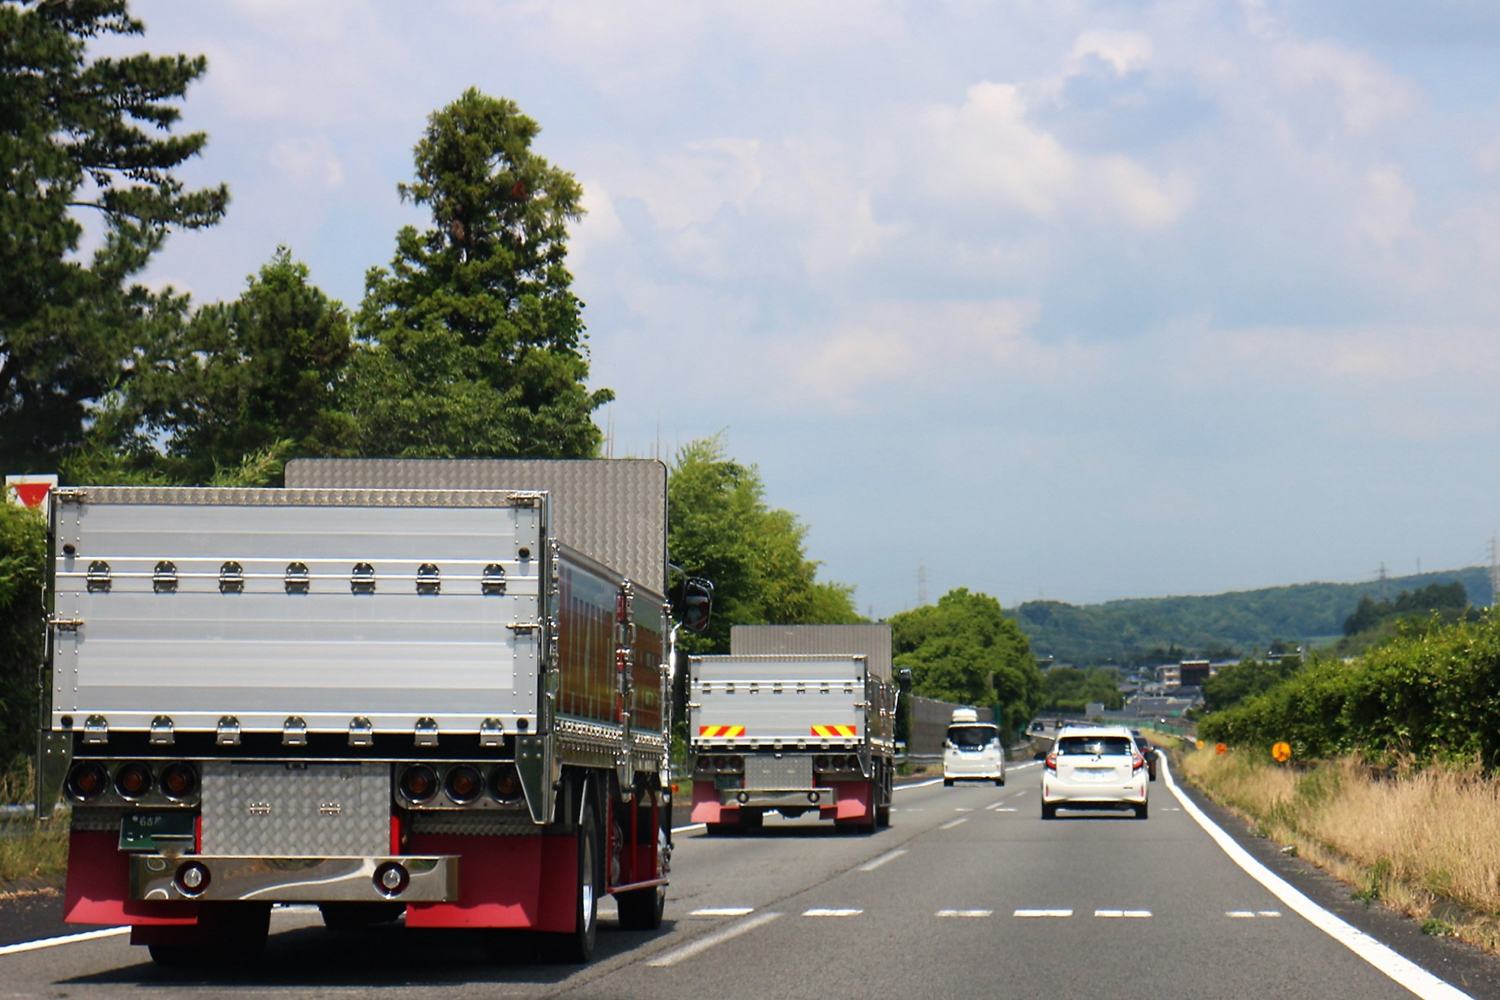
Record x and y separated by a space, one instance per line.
1383 577
1494 570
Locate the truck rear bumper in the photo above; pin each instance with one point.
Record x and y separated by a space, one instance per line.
404 879
711 804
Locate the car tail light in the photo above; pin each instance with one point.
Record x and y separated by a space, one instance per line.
133 780
505 783
463 783
179 780
1051 763
87 780
1136 763
419 783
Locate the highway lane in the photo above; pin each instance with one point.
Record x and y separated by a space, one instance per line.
969 893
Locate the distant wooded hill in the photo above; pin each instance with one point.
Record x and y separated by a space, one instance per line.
1167 629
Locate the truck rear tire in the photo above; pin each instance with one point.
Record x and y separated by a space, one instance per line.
577 946
642 909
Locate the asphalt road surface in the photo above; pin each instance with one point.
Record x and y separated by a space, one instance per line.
968 894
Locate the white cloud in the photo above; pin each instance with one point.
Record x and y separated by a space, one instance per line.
985 152
1388 205
1123 51
309 162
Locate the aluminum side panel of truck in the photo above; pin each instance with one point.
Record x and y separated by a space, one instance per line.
198 604
872 641
743 700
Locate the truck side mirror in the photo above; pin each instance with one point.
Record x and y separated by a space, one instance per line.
903 680
697 604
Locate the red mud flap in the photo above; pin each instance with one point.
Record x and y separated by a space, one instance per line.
98 887
706 808
524 882
855 803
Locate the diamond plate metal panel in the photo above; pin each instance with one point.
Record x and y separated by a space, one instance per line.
773 773
615 510
873 641
316 810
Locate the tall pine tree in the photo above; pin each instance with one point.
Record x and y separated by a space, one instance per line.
82 138
475 340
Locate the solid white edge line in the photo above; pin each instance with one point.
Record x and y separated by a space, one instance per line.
705 943
689 828
14 949
1395 965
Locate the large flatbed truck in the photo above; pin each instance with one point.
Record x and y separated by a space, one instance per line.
795 719
391 688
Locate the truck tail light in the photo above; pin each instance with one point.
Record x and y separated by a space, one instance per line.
87 780
133 779
1051 763
505 783
463 783
179 779
419 783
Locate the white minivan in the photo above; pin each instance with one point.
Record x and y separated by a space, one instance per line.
973 750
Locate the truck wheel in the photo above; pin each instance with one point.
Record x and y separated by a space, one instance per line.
752 820
577 946
883 816
642 909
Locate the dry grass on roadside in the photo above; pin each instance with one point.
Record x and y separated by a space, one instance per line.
29 851
1422 842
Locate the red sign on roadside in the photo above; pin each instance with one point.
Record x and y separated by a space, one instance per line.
29 491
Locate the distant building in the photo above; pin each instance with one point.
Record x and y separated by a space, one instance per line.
1169 676
1192 673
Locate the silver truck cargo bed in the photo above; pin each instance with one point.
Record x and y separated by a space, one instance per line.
743 700
323 605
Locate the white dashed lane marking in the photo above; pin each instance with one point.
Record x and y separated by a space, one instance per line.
1043 913
723 911
1122 913
1251 914
953 822
870 866
964 913
821 912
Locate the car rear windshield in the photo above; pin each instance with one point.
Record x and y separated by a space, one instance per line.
972 736
1109 746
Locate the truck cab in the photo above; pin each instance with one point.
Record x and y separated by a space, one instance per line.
973 750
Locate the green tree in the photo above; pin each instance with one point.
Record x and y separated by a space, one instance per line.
81 139
476 340
721 528
257 378
1070 690
23 555
1246 679
965 649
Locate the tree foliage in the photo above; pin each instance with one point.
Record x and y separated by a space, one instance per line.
82 138
965 649
1433 691
260 375
1219 626
721 528
1449 600
1070 691
1238 682
476 340
23 553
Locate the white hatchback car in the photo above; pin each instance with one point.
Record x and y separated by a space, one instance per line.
1094 767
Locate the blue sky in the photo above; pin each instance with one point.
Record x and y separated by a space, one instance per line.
1052 298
